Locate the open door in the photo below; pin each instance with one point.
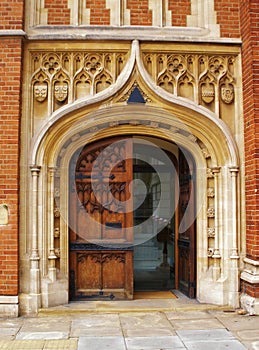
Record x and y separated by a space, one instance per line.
186 235
101 220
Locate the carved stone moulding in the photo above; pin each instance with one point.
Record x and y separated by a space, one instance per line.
211 192
205 79
63 77
211 231
211 212
227 93
40 91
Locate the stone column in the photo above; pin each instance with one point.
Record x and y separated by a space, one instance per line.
34 258
216 255
52 257
234 266
234 172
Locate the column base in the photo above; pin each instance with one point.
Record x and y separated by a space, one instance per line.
250 287
9 306
29 304
54 293
249 304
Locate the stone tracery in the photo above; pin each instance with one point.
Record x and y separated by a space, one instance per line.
208 80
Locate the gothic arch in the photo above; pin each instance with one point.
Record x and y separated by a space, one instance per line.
217 165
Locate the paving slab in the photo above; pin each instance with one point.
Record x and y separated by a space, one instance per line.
252 334
145 324
149 332
252 345
96 325
45 325
202 324
9 328
8 333
42 335
204 335
23 345
154 343
189 315
215 345
11 322
70 344
238 322
101 343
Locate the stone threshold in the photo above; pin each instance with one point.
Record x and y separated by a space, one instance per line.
141 305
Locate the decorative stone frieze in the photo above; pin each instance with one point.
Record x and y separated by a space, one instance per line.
59 78
197 77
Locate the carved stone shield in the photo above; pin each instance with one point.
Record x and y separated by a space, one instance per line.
40 91
227 93
207 93
61 91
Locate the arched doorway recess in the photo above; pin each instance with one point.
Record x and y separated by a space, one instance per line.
216 161
128 198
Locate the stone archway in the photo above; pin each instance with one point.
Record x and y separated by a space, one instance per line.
217 167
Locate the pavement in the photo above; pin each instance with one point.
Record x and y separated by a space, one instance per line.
145 324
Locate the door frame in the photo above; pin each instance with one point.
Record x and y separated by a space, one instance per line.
175 161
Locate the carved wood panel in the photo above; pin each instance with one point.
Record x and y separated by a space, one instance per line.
101 274
101 221
187 237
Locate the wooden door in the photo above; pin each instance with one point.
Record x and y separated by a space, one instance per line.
186 235
101 220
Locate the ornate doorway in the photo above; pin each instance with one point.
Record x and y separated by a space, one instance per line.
127 199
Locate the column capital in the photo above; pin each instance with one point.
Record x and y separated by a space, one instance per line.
234 170
52 169
215 169
35 169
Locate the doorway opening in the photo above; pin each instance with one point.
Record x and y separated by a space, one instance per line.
132 221
154 254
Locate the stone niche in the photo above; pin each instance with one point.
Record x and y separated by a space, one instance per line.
3 214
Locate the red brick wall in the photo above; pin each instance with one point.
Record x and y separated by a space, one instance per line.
10 85
227 13
58 12
180 9
252 290
249 14
99 15
11 12
228 18
139 12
